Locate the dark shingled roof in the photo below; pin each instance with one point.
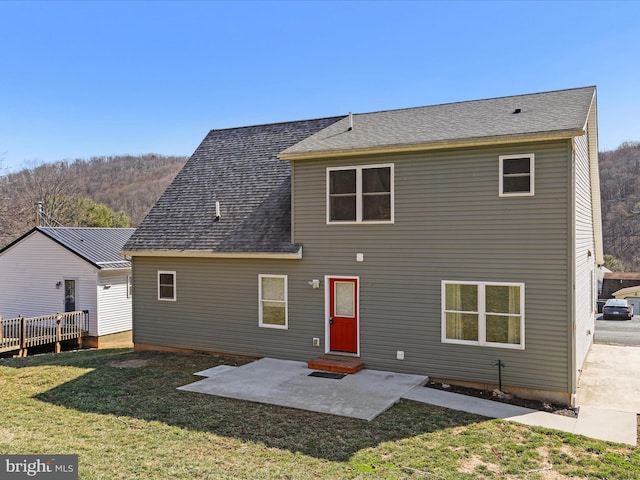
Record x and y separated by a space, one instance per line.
548 113
99 246
239 168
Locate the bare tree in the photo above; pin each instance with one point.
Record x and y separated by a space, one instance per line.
50 184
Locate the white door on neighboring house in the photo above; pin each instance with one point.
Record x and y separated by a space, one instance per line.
69 295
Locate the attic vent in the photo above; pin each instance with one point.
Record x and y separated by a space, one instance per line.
217 219
517 110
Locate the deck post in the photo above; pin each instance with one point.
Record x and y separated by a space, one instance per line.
58 332
23 336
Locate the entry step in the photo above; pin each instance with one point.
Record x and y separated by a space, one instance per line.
335 365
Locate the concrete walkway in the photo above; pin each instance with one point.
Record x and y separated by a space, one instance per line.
368 393
602 424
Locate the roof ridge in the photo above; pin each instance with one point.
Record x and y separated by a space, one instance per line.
460 102
242 127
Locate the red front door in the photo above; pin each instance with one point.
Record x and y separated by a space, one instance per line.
343 315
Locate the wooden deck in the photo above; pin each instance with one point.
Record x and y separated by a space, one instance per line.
20 334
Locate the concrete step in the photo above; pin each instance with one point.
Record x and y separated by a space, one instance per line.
335 365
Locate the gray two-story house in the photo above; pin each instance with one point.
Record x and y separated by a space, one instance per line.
435 240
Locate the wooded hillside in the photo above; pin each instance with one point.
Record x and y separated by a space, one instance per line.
111 191
132 184
620 192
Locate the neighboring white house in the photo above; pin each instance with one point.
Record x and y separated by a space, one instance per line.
61 269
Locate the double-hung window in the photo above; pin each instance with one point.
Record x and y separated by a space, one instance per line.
360 194
167 286
272 298
517 175
483 313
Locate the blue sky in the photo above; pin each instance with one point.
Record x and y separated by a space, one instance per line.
81 79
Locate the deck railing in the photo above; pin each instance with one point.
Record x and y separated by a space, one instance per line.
22 333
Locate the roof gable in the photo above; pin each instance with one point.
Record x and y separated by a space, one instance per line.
562 113
98 246
239 168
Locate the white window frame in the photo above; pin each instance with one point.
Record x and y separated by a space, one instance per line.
261 301
482 315
175 290
531 175
129 286
359 194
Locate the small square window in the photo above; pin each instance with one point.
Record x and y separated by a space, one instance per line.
516 175
167 286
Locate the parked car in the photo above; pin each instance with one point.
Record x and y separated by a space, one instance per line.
617 308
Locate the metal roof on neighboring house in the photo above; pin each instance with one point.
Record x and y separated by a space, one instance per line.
561 113
99 246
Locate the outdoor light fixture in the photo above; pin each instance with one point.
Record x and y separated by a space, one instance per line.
58 285
314 283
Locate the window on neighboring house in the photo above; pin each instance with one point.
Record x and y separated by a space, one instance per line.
516 175
360 194
167 286
272 297
129 286
483 313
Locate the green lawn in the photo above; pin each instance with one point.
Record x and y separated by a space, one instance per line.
132 423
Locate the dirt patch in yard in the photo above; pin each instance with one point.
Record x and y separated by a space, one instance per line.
502 397
134 363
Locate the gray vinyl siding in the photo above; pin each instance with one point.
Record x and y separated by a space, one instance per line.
450 224
217 307
584 263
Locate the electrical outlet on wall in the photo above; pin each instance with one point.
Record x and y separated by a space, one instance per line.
400 355
316 342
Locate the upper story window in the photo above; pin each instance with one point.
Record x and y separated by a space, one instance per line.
517 175
360 194
167 286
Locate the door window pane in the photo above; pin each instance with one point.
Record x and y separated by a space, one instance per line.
69 295
344 299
